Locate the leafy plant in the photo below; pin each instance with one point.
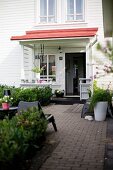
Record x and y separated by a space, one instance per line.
38 69
6 99
100 95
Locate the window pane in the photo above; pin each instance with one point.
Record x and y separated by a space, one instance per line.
79 6
43 63
52 66
43 7
70 17
51 19
79 17
43 19
51 7
70 6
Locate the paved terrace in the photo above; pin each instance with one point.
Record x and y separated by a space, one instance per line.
79 144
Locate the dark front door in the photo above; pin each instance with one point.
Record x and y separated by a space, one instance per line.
75 64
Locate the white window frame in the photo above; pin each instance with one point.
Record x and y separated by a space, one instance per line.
48 16
75 14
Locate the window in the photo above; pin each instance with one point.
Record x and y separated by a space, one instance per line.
75 10
47 11
49 71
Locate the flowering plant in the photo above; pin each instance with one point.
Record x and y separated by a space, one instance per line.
6 99
59 93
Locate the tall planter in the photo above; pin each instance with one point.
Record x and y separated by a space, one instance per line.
100 110
38 76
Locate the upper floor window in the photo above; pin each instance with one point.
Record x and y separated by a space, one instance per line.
47 11
75 10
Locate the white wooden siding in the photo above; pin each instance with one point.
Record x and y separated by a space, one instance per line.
28 63
18 16
15 18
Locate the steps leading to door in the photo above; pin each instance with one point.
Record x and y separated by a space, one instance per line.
66 100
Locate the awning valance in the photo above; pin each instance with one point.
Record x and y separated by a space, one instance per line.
56 34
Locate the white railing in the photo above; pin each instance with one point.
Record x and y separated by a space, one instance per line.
41 83
85 85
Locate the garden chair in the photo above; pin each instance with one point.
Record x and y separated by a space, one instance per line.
25 105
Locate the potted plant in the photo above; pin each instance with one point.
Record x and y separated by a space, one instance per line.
99 103
6 101
38 70
59 93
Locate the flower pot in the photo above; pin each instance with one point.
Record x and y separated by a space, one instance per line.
5 106
100 111
38 76
59 94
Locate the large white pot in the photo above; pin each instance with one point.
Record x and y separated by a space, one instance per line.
38 76
100 111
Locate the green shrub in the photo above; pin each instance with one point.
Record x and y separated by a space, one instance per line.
27 95
42 94
19 134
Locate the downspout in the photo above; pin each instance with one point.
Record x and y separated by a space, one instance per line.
90 48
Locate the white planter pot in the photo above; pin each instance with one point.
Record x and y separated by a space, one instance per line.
38 76
100 111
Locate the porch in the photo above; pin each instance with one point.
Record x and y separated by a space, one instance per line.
65 55
84 86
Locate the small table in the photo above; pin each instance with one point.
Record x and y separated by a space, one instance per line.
10 112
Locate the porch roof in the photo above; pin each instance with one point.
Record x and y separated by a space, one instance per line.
56 34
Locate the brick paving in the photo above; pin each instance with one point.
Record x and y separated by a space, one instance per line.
80 143
108 163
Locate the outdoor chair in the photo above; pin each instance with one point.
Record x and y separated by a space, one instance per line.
25 105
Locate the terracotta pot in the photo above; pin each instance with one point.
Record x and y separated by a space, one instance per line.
5 106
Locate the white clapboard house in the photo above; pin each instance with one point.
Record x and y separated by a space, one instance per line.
60 35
